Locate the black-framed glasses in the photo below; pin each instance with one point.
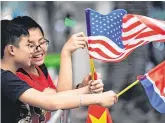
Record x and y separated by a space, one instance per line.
43 45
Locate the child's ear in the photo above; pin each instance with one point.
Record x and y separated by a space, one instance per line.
11 49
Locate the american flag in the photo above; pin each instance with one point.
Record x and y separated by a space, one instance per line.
114 36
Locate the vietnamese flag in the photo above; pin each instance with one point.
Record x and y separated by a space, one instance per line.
98 114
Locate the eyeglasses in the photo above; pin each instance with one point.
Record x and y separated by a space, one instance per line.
43 45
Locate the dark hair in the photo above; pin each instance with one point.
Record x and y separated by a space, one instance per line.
11 33
28 22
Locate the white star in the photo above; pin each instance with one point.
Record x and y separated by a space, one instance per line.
101 31
105 29
111 19
100 22
107 21
93 32
101 27
104 24
114 13
111 25
93 23
121 13
97 25
96 16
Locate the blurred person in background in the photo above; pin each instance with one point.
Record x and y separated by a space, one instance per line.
37 75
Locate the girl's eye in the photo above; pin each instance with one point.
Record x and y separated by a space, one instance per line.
31 45
42 42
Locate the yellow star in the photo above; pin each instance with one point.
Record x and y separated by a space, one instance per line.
102 119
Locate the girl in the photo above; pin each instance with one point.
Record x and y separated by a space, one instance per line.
37 76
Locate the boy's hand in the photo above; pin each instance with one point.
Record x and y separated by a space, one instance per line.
76 41
108 98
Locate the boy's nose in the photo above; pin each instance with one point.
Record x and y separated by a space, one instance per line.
31 54
31 51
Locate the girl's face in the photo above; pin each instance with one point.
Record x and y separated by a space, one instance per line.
40 46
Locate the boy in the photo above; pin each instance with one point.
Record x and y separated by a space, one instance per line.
16 52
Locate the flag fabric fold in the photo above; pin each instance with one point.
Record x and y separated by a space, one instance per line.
153 83
114 36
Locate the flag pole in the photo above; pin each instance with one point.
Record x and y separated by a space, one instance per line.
127 88
92 68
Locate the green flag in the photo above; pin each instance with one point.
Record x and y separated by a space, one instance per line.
69 22
52 60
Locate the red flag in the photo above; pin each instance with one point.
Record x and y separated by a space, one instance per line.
154 86
98 114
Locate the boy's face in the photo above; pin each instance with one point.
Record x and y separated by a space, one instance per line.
23 53
38 40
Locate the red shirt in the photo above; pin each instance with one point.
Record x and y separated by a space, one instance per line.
39 83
